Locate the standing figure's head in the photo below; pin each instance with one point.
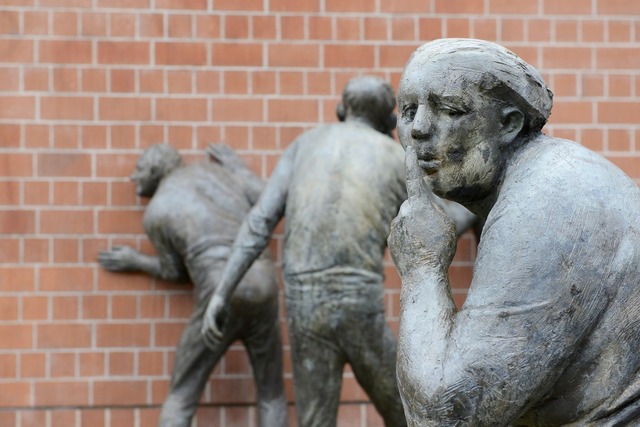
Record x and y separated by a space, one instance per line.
464 105
371 100
155 163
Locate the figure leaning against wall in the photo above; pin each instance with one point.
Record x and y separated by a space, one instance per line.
338 186
192 219
550 330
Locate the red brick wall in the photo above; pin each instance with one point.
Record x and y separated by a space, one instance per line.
86 84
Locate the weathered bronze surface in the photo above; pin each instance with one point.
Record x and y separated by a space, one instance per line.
192 219
549 333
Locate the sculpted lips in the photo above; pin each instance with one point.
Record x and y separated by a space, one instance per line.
429 165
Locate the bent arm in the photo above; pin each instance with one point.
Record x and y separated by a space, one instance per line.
226 156
255 232
166 266
532 301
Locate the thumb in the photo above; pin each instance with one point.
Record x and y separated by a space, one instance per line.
416 187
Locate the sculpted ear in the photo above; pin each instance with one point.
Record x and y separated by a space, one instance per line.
341 112
512 121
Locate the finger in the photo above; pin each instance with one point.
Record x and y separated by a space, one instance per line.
416 187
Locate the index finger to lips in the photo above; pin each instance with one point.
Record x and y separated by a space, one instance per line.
414 175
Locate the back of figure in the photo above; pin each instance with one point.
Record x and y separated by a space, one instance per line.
347 185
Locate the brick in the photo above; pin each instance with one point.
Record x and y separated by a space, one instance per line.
617 7
292 27
170 53
167 334
458 27
618 112
119 392
181 137
593 31
539 30
209 26
65 23
120 222
66 137
35 23
151 25
263 82
16 50
618 58
61 393
93 24
123 25
320 28
15 394
524 7
66 279
619 140
64 335
115 165
513 30
620 85
65 51
36 79
236 27
64 165
566 31
151 363
66 3
375 28
179 81
347 56
466 7
592 85
124 307
405 6
9 79
67 107
564 85
92 365
16 164
348 28
351 6
8 366
245 5
294 6
17 221
9 22
123 335
17 107
183 4
10 193
8 311
121 4
569 58
403 28
264 27
180 26
629 165
65 417
294 110
293 55
9 250
181 109
237 110
620 31
10 135
573 7
429 28
121 363
16 337
120 108
395 56
236 54
62 365
123 52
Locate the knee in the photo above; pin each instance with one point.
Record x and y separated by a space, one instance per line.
176 412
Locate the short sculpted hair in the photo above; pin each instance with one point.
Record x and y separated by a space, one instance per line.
163 157
498 73
371 97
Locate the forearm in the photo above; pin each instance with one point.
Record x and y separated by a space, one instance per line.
153 266
253 237
426 320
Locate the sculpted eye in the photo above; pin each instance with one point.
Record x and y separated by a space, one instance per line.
451 111
409 112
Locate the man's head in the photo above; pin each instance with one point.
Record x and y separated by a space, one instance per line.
464 105
371 100
155 163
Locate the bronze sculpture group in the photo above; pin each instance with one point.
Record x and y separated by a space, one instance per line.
549 332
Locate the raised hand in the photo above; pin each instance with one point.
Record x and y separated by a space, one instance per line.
118 258
422 234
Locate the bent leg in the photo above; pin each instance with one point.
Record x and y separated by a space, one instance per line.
192 366
265 353
371 349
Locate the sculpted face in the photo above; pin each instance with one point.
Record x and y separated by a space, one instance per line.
454 128
146 176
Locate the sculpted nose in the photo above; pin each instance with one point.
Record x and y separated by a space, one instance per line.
422 124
